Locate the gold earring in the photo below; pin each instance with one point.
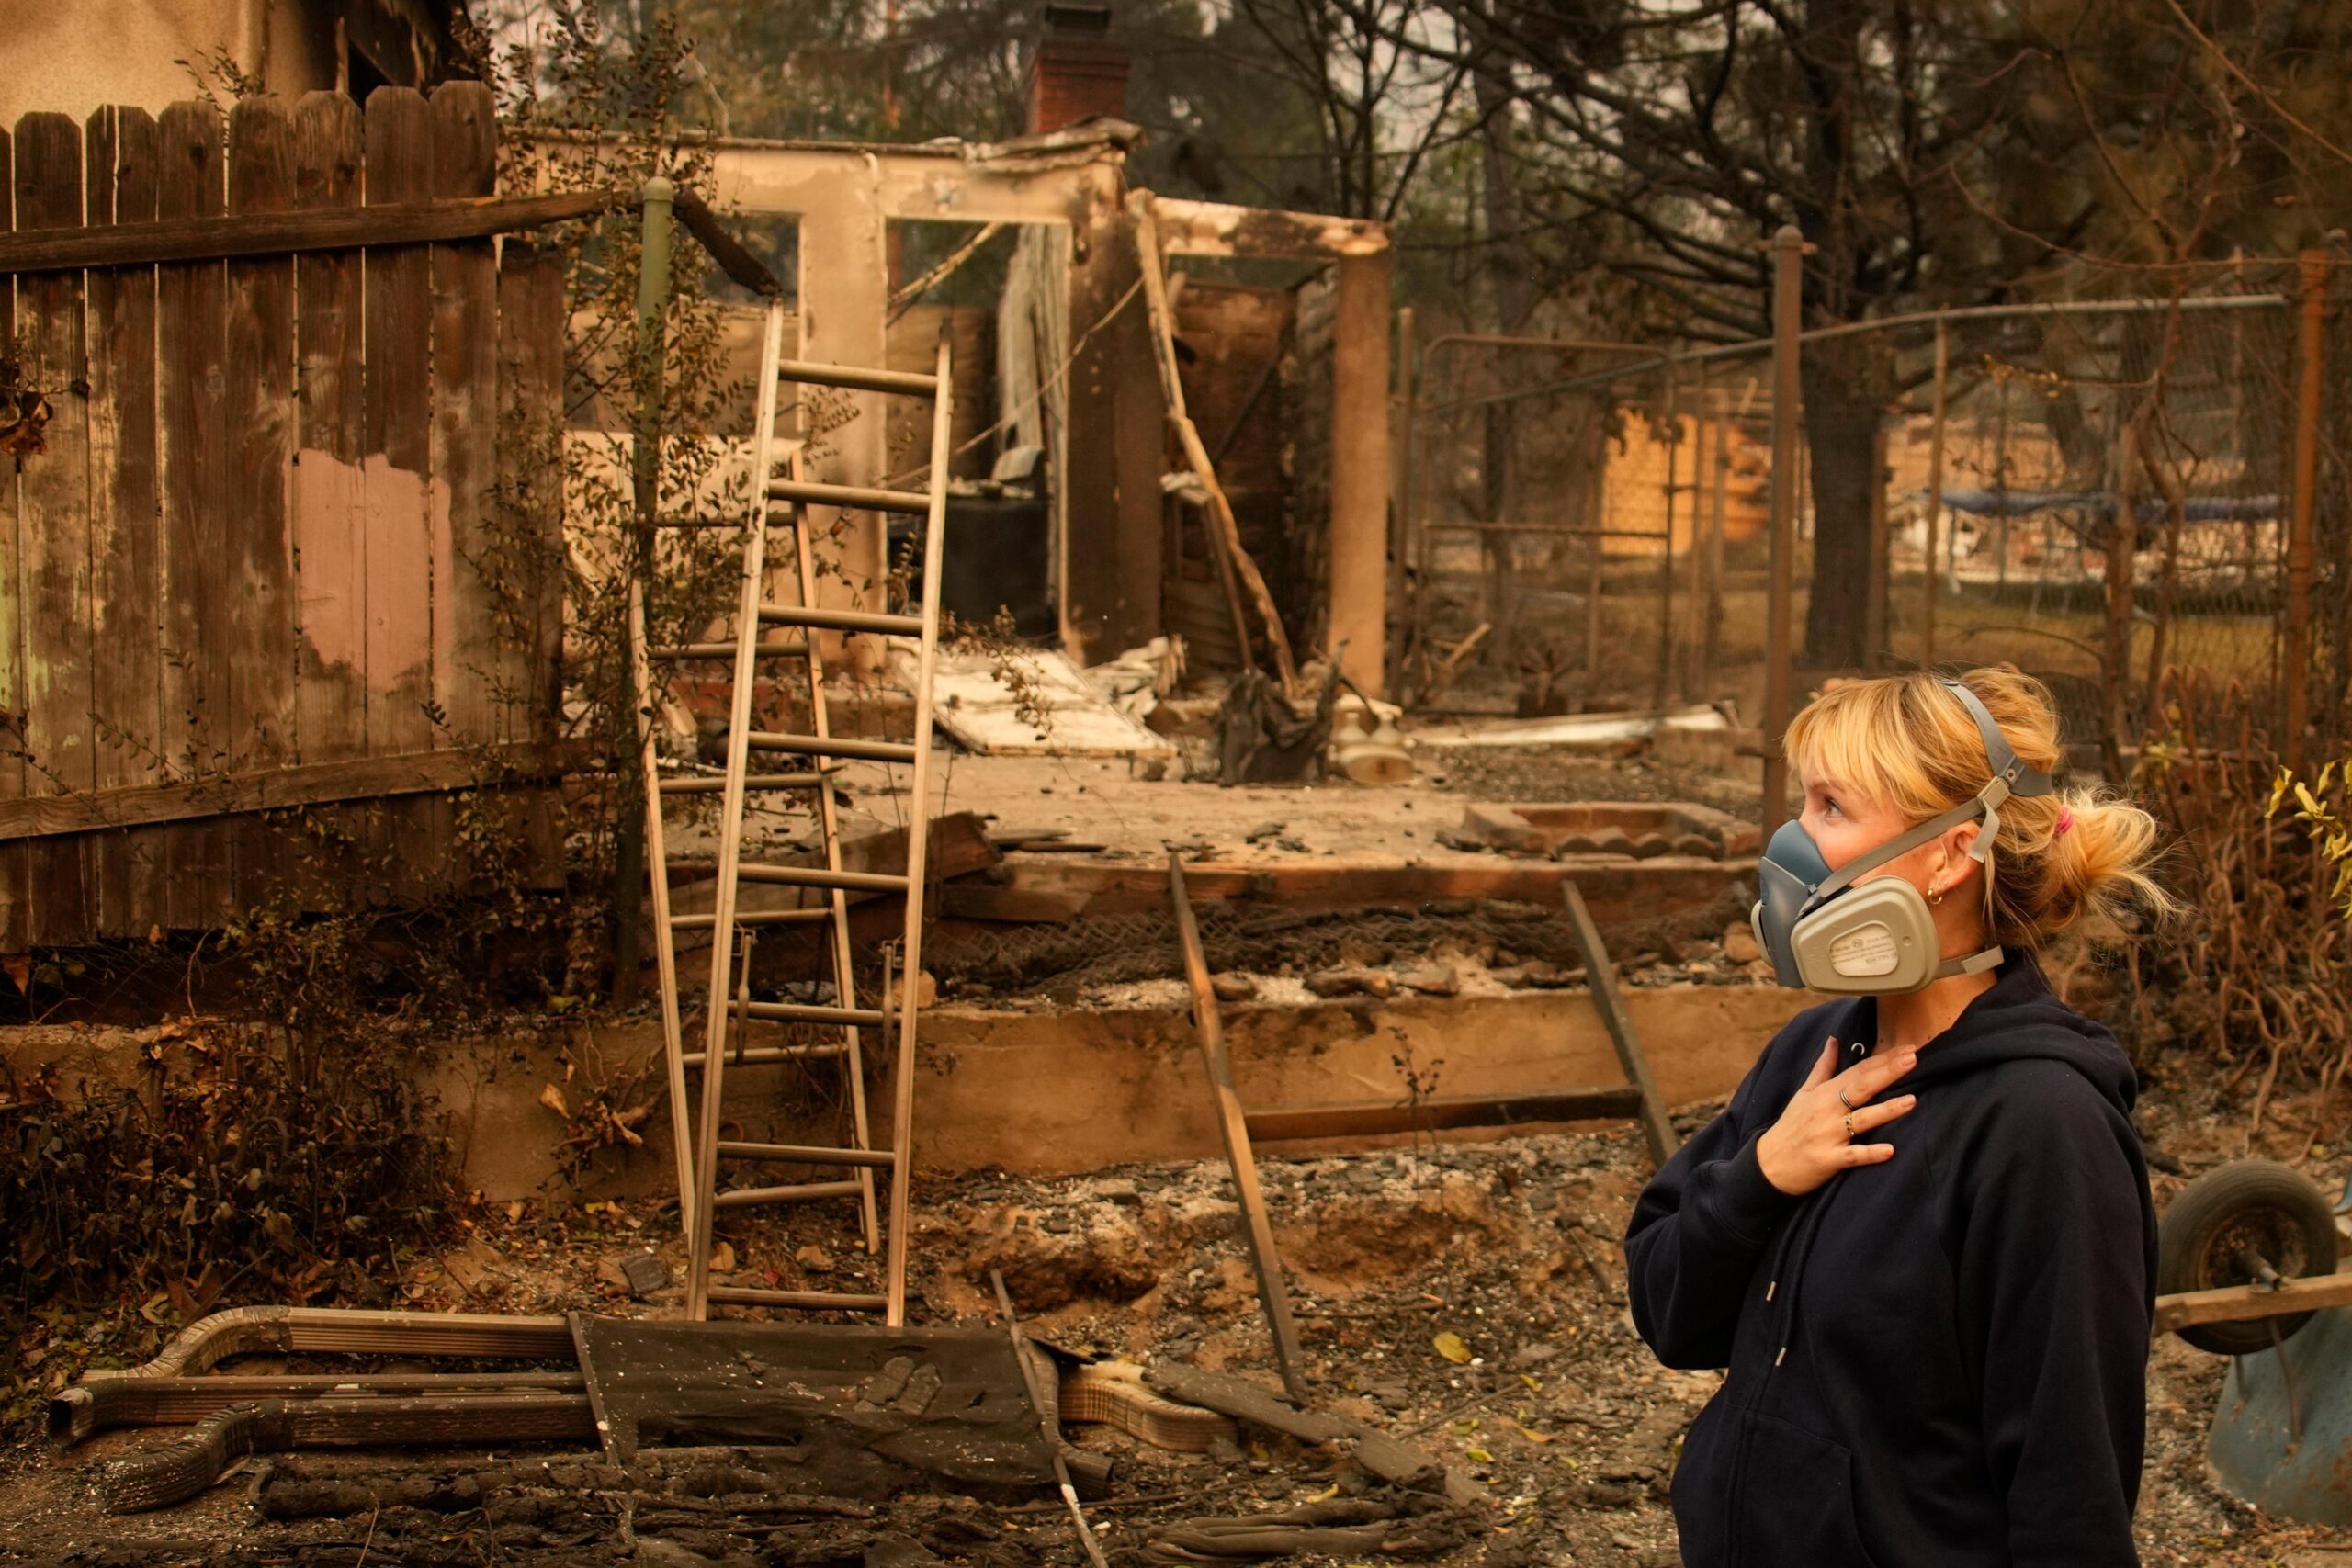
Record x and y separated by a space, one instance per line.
1935 893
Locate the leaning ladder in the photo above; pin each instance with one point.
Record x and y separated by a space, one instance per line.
699 1146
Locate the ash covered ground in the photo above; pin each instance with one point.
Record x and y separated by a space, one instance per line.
1568 1426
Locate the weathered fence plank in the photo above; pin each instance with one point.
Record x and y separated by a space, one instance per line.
402 502
15 908
125 557
330 519
398 436
260 360
530 467
330 543
189 300
473 667
53 524
287 517
530 509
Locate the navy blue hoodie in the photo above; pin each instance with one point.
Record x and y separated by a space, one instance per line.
1936 1361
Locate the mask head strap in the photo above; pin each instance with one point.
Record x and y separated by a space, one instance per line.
2010 776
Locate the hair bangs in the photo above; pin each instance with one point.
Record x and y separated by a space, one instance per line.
1858 736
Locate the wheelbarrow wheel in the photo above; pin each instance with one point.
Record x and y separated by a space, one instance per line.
2213 1231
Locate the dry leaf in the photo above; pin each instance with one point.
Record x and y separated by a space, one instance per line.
722 1259
1530 1433
1480 1456
20 969
1451 1347
552 1097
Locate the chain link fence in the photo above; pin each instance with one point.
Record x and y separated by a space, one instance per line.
2113 500
2094 491
1543 529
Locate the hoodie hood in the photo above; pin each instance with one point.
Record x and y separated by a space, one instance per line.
2020 1019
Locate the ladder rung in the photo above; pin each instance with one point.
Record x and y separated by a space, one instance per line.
855 498
768 1056
800 1192
830 746
804 1012
841 620
808 1154
707 786
818 876
807 373
815 1301
793 650
814 914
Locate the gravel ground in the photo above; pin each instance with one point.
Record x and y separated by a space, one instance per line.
1558 1412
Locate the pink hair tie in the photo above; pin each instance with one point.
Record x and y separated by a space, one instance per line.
2065 820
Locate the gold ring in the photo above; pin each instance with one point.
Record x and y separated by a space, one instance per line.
1849 1126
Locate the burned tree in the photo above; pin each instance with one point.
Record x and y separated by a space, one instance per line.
1694 134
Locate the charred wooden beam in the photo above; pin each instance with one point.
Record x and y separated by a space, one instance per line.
1374 1118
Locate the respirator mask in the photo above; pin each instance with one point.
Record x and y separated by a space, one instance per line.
1878 939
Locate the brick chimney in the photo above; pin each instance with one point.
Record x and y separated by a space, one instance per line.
1076 73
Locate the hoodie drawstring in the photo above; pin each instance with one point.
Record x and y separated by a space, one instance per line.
1788 1262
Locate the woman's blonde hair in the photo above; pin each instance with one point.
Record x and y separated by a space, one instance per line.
1908 743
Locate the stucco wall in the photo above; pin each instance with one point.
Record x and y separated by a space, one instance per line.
71 58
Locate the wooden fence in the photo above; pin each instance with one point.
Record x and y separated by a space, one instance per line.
271 549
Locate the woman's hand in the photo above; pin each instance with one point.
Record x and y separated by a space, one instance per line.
1813 1141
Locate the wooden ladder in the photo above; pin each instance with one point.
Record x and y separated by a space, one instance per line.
700 1149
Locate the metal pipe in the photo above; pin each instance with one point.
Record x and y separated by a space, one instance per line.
645 485
1504 340
2296 674
1875 609
1703 437
1571 529
1934 492
1711 595
1660 676
1788 305
2122 547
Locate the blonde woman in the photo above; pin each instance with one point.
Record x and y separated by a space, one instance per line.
1920 1237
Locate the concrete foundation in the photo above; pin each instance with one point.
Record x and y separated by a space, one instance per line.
1045 1093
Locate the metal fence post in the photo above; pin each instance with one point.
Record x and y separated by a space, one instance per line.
1686 654
1876 611
2297 653
2122 550
645 483
1788 305
1662 679
1934 493
1709 597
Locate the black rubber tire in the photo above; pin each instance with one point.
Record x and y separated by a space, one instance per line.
2259 1202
